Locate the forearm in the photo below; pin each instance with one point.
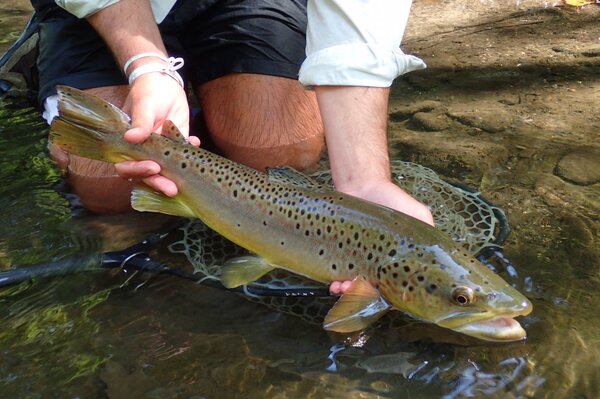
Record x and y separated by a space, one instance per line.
355 122
128 28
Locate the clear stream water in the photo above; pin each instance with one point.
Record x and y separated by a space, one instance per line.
116 335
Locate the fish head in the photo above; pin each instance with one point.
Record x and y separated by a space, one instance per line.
452 289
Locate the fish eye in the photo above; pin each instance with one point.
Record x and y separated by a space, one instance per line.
463 296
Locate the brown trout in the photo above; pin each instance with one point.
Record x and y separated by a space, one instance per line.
291 222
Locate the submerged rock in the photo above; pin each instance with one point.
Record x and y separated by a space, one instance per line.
401 113
580 167
489 120
450 155
429 121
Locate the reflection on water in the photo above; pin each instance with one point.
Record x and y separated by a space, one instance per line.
95 335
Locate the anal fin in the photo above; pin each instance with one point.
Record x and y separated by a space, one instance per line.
144 199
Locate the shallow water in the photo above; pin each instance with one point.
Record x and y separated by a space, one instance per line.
113 334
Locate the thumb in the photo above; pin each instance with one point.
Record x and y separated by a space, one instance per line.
142 124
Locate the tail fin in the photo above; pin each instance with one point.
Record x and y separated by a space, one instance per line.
79 140
89 126
84 109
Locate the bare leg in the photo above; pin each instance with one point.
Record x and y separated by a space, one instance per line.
99 187
263 121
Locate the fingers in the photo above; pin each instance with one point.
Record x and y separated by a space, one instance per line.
147 172
137 169
161 184
195 141
142 123
339 287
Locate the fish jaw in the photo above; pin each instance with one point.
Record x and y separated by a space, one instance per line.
497 329
488 326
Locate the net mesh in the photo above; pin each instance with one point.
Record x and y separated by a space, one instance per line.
469 219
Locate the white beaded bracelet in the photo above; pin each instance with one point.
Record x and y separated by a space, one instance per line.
173 64
142 55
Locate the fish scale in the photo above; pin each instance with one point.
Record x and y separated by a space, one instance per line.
291 222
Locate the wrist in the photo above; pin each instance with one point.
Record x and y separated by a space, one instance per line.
165 66
144 58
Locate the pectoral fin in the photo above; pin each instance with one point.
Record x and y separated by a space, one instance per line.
244 270
145 200
357 308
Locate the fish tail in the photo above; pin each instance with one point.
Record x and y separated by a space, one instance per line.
82 141
89 126
85 109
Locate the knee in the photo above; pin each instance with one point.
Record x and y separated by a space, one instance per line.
300 155
263 121
98 186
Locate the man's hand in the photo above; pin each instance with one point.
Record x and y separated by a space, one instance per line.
128 28
153 99
386 193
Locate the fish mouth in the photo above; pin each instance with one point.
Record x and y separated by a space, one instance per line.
499 329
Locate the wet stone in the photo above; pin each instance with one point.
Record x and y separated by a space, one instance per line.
402 113
581 167
492 121
429 121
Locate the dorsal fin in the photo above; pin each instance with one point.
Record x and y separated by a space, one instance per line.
85 109
288 175
171 131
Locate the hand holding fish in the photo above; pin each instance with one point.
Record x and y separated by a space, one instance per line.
149 109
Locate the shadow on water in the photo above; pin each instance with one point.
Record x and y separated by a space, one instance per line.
115 335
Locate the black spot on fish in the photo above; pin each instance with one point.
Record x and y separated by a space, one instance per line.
167 153
407 269
392 252
420 278
404 283
321 252
411 246
252 196
395 275
183 165
334 266
350 266
411 288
